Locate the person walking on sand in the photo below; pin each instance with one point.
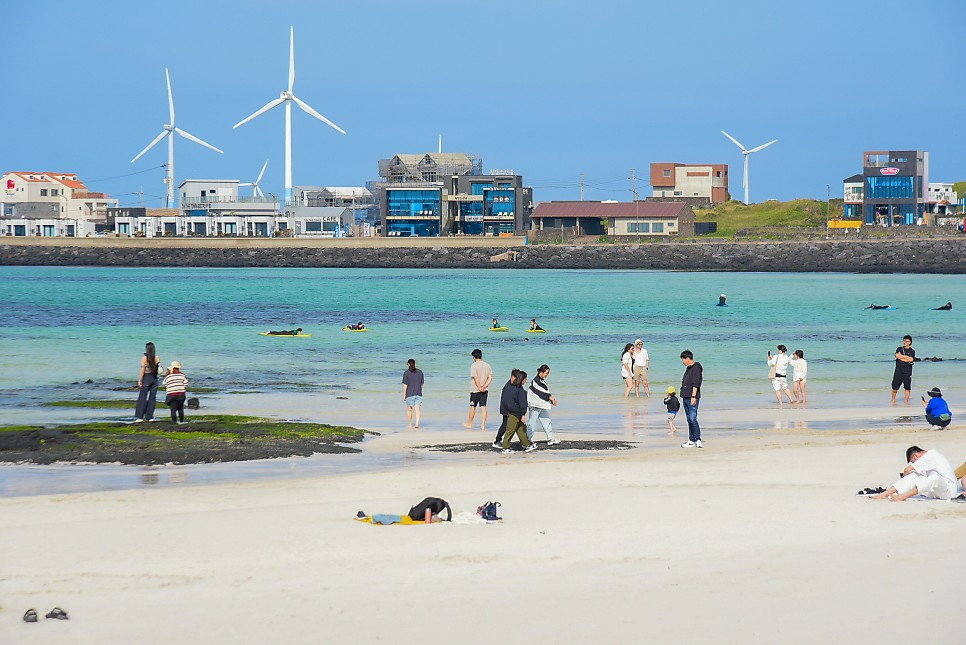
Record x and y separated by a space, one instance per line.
779 380
902 376
176 387
673 406
539 403
641 363
481 375
627 368
413 380
514 400
498 442
691 396
147 385
800 367
928 474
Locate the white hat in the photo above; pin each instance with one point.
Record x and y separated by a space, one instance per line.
639 341
175 365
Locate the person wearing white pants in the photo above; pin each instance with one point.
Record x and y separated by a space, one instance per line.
539 403
928 474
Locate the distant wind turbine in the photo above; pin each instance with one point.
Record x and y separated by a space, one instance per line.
746 153
256 191
287 97
169 131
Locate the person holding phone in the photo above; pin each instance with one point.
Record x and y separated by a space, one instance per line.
780 379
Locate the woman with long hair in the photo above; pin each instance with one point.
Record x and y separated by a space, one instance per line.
413 390
147 384
627 368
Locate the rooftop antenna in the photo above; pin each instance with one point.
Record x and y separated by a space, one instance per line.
440 144
287 97
746 153
169 131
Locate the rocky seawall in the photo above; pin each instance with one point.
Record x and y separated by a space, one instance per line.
866 256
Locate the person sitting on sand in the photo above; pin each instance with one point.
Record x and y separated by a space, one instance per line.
928 474
875 306
946 307
937 410
289 332
534 326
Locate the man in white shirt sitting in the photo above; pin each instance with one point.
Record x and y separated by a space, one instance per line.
928 474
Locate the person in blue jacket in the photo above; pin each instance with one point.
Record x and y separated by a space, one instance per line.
937 410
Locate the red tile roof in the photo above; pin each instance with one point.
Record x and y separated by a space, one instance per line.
52 177
609 209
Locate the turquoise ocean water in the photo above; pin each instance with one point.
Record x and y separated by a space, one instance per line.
62 326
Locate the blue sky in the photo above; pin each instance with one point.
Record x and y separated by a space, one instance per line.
551 89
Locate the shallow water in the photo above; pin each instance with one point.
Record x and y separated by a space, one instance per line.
62 326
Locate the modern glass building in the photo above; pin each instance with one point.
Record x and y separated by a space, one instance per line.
894 185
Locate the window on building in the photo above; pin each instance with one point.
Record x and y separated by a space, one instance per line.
694 194
639 227
43 192
891 187
53 192
313 227
678 193
657 227
667 173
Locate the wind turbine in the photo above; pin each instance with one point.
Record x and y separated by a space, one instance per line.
256 191
746 153
169 131
287 97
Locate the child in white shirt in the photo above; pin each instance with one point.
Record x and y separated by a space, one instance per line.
800 366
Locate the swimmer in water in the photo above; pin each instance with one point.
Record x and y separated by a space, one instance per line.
946 307
496 324
875 306
534 326
722 301
291 332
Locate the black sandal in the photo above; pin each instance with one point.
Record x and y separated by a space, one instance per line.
57 613
30 616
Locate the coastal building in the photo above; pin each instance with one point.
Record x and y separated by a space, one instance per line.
637 218
358 199
701 185
942 199
435 194
854 191
50 204
895 183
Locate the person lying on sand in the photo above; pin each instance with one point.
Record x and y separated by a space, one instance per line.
928 474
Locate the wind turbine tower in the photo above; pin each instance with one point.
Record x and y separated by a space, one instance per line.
169 131
746 152
288 97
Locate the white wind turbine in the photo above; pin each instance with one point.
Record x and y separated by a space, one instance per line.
287 97
256 191
169 131
746 153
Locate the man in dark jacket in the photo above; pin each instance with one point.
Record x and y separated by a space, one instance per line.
691 396
514 401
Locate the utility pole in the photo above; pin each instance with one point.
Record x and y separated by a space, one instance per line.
633 185
637 219
141 194
581 186
828 201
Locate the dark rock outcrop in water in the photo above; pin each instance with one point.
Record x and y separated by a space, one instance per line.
892 256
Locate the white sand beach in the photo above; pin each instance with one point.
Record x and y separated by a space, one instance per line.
749 540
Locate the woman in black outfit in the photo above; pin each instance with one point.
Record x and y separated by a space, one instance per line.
148 384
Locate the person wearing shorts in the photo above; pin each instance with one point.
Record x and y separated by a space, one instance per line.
641 363
413 390
902 377
481 375
780 381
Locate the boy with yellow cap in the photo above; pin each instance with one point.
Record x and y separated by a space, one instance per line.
673 405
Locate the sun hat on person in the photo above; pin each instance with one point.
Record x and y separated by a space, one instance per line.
175 365
935 392
671 390
638 342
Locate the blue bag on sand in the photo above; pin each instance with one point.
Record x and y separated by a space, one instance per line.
488 511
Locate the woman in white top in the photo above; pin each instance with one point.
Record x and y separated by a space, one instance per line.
780 380
627 368
800 366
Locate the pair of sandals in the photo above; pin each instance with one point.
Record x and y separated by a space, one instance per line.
56 612
871 491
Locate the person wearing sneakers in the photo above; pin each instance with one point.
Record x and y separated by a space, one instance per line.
498 442
928 473
514 401
539 403
691 395
481 375
937 410
641 363
176 385
673 406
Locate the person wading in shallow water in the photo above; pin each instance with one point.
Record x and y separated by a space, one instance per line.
148 385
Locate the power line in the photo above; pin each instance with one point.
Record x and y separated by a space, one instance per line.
130 174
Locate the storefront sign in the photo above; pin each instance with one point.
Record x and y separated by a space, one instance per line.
889 171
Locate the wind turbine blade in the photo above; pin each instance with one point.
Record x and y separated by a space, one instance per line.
307 109
196 140
152 144
762 146
247 183
291 59
261 173
735 140
259 191
170 98
265 109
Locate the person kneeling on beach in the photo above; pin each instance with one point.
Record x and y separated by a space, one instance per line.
928 474
176 385
937 410
514 401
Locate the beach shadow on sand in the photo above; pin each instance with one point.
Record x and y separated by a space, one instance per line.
563 445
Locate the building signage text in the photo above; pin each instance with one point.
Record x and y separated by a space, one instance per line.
889 171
